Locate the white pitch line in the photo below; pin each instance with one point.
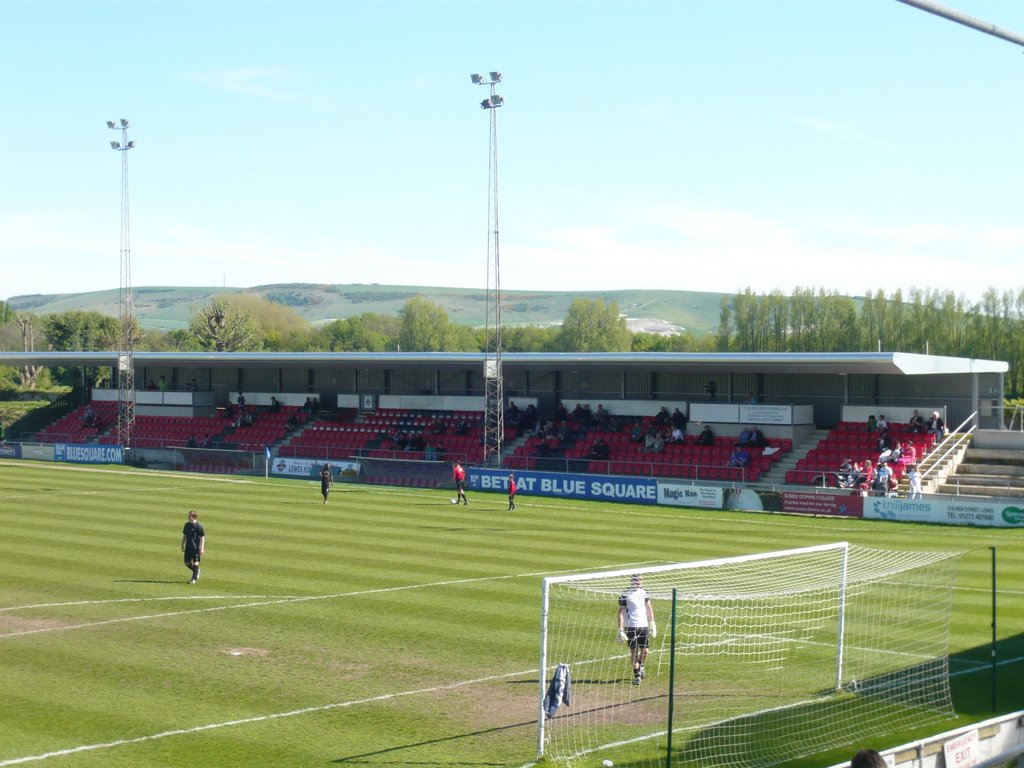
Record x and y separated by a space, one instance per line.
139 600
259 718
274 601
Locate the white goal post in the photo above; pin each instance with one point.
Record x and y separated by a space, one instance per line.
759 659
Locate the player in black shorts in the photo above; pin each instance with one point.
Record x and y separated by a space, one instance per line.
326 481
636 624
193 544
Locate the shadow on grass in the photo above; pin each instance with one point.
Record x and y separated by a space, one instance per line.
369 757
182 580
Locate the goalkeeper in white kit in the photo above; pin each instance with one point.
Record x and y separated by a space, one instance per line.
636 624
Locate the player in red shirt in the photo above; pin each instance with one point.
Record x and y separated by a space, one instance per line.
511 492
459 476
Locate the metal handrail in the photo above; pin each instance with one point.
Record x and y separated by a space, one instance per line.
951 443
1018 410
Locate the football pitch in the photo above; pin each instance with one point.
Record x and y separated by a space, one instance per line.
386 628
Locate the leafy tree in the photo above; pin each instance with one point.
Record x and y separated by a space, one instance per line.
78 331
593 326
279 327
220 327
425 327
368 332
25 322
723 339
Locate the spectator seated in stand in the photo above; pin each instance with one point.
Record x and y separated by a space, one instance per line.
882 423
908 454
275 405
636 433
654 443
89 417
512 414
739 457
916 424
884 442
752 437
935 425
706 436
663 417
599 450
868 475
292 422
880 484
845 473
872 425
679 419
677 437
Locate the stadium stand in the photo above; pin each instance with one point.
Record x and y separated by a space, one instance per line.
574 452
851 440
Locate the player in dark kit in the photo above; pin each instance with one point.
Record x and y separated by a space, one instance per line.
193 544
459 476
511 492
326 481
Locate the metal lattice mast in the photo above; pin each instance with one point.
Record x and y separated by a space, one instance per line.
126 313
494 395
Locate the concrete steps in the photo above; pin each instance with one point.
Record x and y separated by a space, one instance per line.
986 472
777 474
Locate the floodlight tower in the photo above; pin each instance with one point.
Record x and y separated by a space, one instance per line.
125 313
494 395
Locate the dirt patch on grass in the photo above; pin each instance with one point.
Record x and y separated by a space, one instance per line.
20 625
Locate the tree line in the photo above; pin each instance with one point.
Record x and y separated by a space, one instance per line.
808 320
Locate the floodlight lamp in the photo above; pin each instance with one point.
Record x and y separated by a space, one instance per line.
124 123
477 79
111 124
495 77
485 104
131 145
115 145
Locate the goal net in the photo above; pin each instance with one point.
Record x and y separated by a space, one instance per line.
757 659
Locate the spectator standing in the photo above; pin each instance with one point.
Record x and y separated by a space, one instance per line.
914 477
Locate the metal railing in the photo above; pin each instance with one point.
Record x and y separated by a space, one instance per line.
946 448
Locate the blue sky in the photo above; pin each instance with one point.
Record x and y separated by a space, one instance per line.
708 145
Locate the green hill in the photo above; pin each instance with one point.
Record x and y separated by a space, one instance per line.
167 308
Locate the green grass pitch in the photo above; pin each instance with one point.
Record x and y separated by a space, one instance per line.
386 628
